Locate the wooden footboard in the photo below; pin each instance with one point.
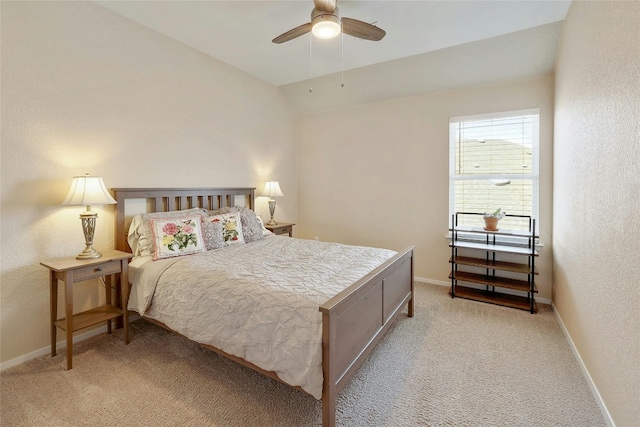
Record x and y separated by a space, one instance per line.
356 319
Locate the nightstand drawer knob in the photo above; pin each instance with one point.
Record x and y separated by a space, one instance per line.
98 269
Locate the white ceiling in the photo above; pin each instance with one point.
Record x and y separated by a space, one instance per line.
454 43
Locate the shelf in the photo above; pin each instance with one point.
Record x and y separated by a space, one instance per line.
498 298
507 249
90 317
501 232
478 264
502 282
496 265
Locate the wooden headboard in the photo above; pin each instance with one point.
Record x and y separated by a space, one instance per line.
172 199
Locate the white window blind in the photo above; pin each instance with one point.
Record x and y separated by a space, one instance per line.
494 164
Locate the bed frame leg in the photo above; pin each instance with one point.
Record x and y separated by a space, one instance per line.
410 305
328 410
410 308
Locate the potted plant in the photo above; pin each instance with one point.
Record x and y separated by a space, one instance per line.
491 219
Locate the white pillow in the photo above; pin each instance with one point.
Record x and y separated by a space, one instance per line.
133 236
265 232
177 236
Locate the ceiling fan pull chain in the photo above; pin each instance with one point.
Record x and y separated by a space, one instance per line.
341 55
310 39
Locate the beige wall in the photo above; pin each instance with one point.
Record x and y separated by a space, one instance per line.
377 174
597 197
84 90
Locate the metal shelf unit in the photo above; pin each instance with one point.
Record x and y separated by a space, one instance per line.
481 264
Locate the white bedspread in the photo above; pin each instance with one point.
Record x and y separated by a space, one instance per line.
258 301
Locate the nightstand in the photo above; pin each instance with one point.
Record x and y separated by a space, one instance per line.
71 270
281 228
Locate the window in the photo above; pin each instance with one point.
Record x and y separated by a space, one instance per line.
494 164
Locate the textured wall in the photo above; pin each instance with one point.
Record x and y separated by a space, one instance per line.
378 174
85 90
597 197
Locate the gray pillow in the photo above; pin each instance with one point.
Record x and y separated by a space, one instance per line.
251 228
212 235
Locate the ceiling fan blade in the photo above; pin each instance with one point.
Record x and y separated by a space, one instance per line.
292 34
325 5
362 30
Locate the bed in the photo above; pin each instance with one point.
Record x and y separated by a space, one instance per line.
354 314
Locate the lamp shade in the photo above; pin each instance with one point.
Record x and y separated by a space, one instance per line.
272 189
88 190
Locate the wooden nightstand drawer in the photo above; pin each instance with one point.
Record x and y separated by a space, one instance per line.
281 228
94 271
286 230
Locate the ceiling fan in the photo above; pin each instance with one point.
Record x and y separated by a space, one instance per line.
326 23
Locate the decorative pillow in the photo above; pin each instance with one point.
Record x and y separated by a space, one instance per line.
221 211
212 233
265 232
251 228
231 227
177 236
145 235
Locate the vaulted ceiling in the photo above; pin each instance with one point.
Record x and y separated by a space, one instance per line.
429 45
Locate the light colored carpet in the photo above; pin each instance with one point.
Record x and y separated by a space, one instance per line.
456 363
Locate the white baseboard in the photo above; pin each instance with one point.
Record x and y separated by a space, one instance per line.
59 346
431 281
585 371
47 350
448 284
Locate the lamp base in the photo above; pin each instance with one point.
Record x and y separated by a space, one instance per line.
88 227
272 210
89 253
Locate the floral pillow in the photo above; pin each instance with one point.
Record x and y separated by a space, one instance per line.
231 227
140 236
251 227
177 236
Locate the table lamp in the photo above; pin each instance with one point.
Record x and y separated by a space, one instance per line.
86 191
271 190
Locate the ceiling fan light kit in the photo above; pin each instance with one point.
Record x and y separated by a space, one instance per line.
326 23
325 26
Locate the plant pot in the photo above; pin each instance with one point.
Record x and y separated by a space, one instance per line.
490 223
